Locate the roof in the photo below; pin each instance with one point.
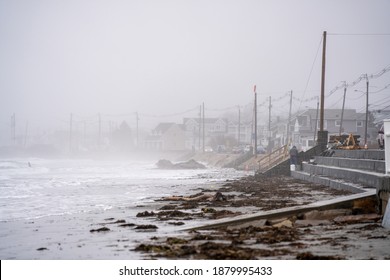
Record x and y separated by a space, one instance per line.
332 114
163 127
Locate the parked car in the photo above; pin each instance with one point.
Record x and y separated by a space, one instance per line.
208 149
238 150
248 148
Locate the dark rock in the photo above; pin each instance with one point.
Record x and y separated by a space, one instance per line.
127 225
146 214
191 164
100 229
146 227
42 249
164 164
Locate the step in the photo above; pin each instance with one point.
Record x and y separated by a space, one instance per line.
353 163
360 154
366 178
329 182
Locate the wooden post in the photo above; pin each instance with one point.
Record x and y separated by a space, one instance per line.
323 82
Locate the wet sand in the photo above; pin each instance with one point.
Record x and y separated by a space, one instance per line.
155 230
354 233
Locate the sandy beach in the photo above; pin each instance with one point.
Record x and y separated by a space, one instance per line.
354 233
155 230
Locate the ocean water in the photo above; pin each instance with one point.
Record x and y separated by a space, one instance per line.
54 204
33 188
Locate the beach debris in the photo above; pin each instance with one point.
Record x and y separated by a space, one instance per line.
224 214
175 214
310 256
102 229
218 196
42 249
127 225
176 223
146 227
146 214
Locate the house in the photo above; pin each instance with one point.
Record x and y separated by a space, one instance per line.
213 128
245 130
304 126
166 137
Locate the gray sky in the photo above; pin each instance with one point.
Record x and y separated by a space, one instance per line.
165 57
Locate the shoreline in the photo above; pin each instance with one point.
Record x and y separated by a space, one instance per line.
354 233
156 229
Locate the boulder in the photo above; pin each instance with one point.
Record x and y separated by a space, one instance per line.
191 164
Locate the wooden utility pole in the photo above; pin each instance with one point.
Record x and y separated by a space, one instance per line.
316 124
323 82
289 119
255 121
203 125
342 110
366 125
239 126
269 126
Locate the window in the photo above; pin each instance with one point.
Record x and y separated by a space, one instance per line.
337 123
359 123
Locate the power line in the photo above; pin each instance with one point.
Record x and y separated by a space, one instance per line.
359 79
311 70
359 34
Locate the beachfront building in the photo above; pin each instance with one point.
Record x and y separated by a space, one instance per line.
213 128
245 131
166 137
305 125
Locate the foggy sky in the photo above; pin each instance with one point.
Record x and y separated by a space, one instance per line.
165 57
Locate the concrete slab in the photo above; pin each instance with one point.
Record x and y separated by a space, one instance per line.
340 202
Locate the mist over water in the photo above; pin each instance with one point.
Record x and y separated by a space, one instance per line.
59 187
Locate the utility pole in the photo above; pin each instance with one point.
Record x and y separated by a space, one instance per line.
203 125
239 127
316 124
365 127
255 121
70 132
323 82
269 126
342 110
289 119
